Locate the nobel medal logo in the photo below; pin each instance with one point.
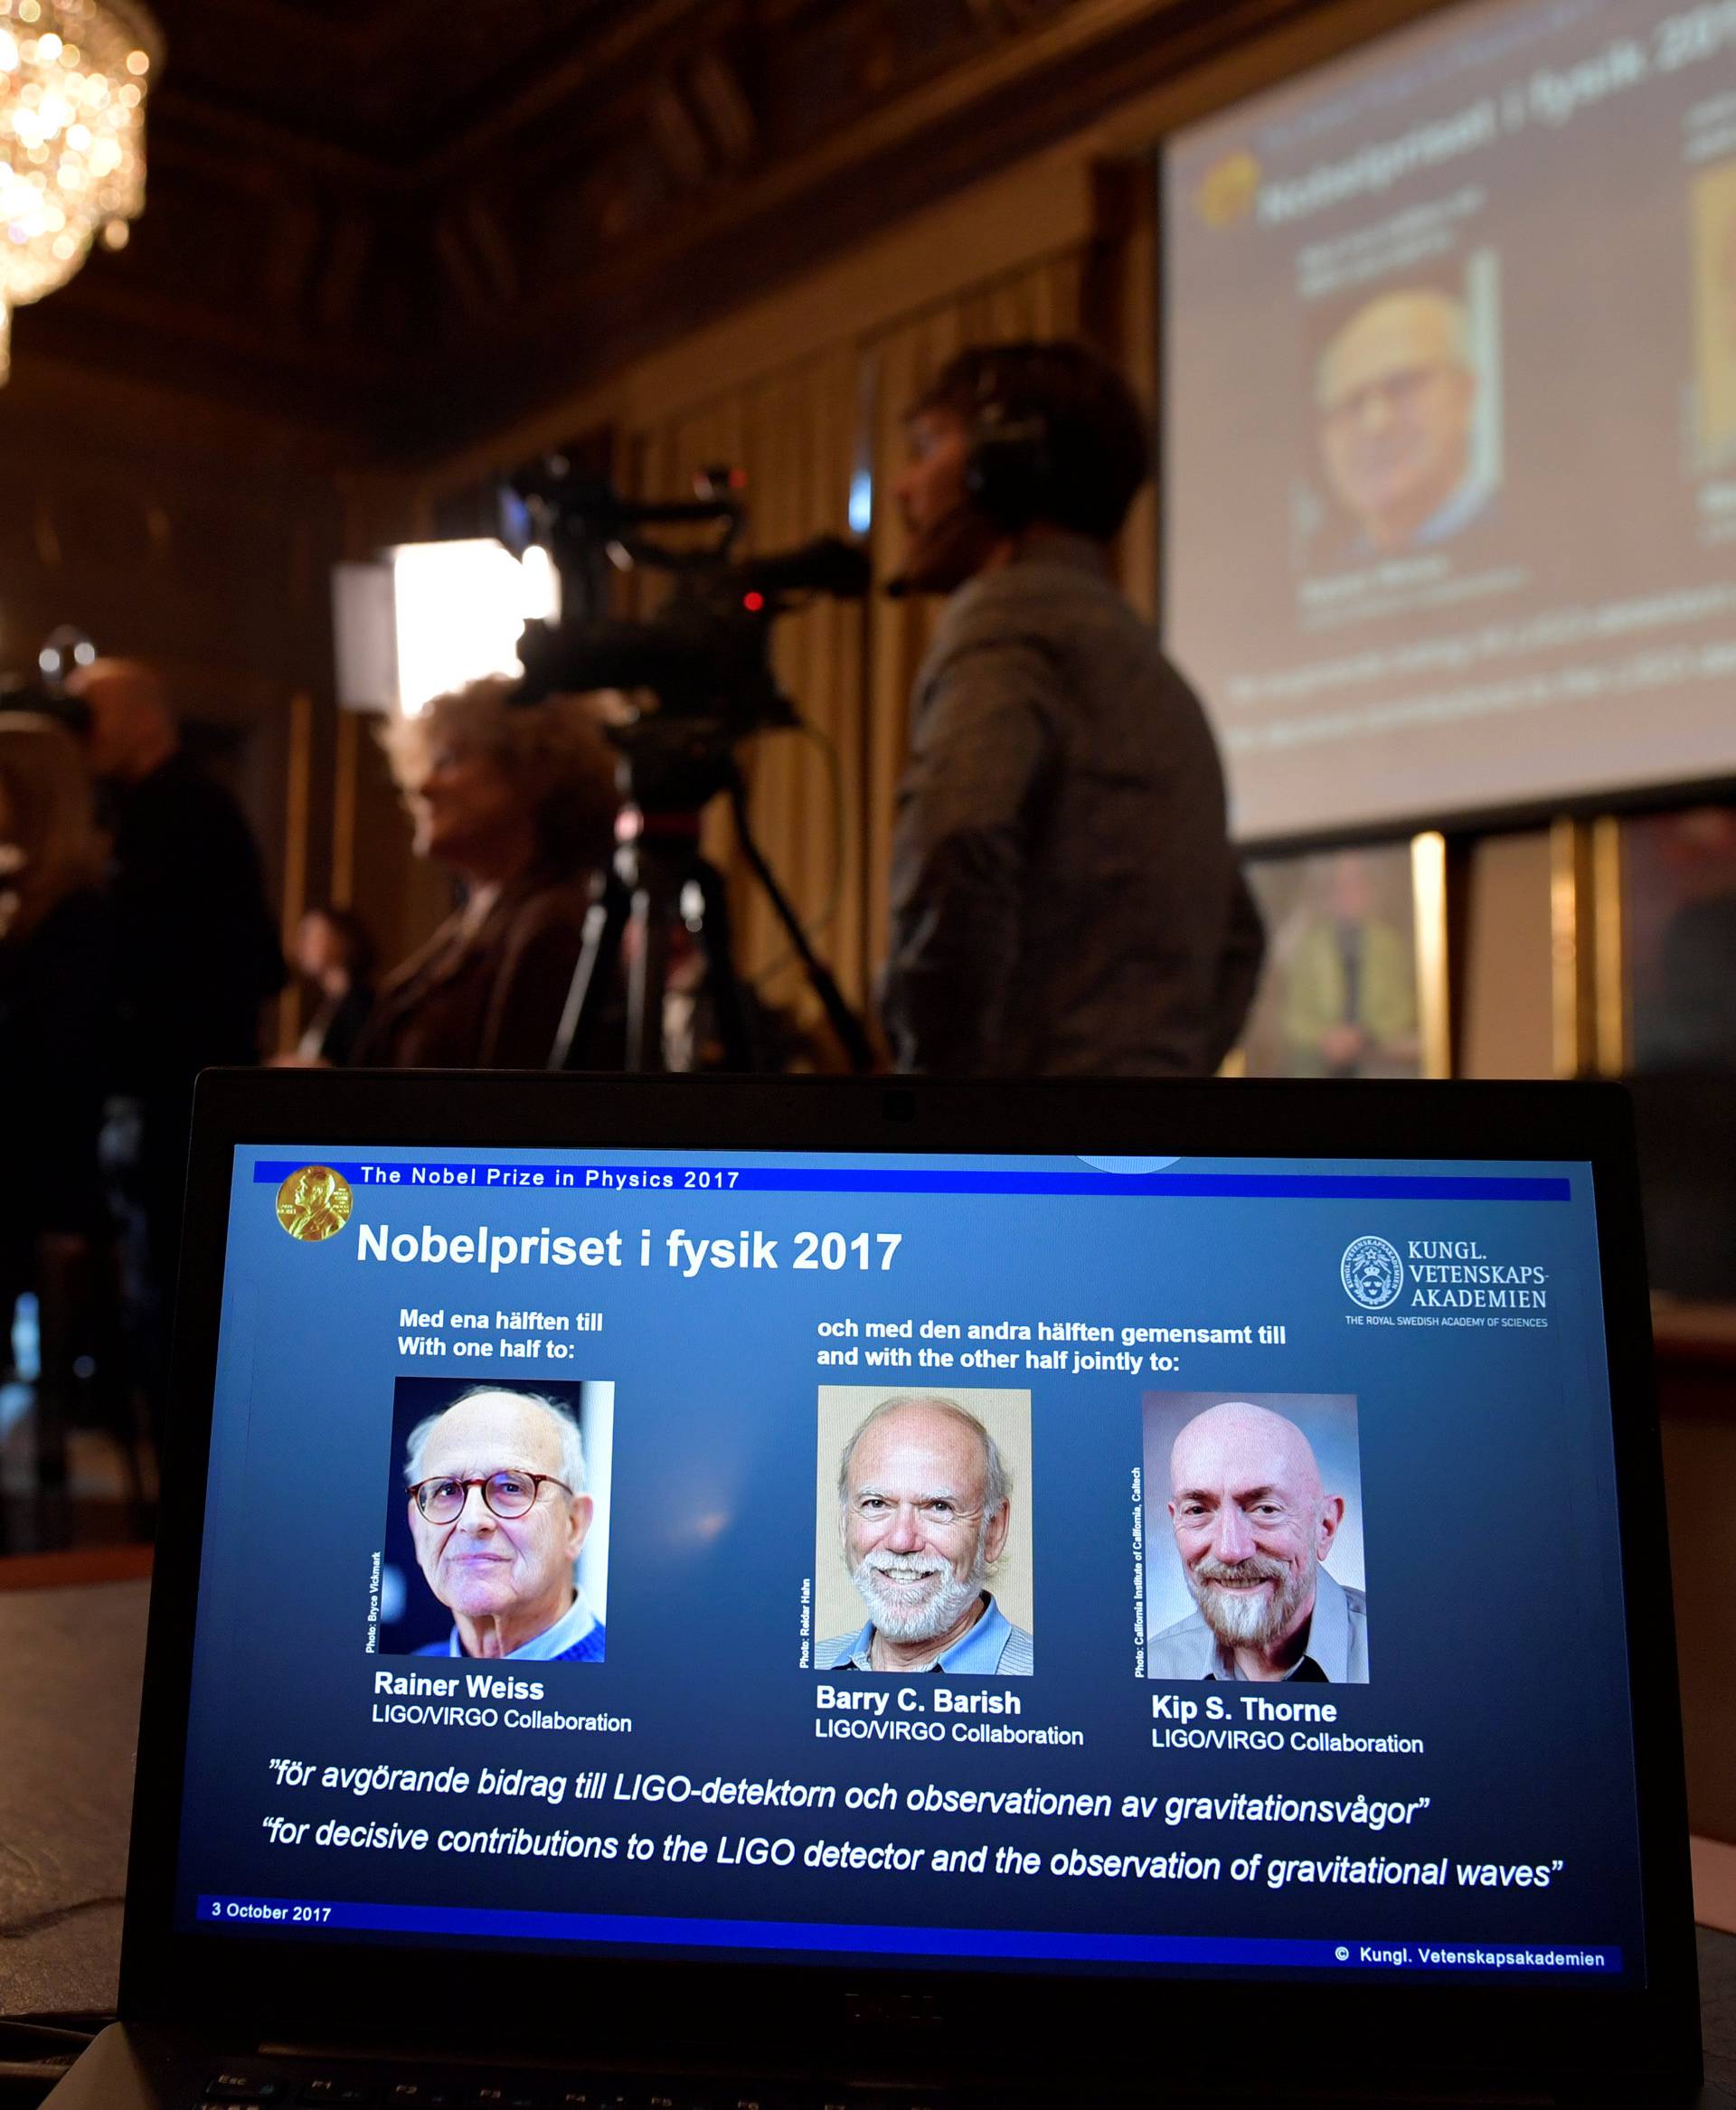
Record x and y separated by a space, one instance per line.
315 1203
1372 1273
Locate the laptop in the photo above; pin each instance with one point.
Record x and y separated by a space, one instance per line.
694 1593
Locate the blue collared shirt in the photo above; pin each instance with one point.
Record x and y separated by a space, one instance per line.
994 1648
576 1637
1474 497
1336 1653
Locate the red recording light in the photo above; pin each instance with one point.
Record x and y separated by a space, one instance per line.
753 602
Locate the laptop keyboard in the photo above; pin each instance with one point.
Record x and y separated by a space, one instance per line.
246 2088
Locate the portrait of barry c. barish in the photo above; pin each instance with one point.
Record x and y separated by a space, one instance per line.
925 1501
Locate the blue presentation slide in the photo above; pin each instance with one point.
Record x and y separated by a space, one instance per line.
1016 1564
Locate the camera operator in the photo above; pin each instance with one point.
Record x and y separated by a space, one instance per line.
1065 900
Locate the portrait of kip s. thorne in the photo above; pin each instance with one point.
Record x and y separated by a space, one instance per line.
1253 1538
922 1531
497 1531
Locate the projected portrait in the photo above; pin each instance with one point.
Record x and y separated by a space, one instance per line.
1253 1538
922 1537
1339 995
1406 400
496 1537
1714 313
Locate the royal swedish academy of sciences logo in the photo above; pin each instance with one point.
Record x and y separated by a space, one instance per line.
1372 1273
315 1203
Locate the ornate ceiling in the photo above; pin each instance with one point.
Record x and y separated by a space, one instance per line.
412 219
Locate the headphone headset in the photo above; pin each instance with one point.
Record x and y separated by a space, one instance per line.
1010 470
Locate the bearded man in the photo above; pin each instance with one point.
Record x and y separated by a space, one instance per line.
924 1503
1253 1526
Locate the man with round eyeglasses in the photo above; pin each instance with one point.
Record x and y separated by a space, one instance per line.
498 1513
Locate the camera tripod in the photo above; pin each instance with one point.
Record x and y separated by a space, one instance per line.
659 880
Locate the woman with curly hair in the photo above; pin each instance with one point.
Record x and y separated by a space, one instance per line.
519 800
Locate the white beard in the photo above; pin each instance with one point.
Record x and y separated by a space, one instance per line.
1251 1619
924 1612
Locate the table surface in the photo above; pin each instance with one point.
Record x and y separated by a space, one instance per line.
74 1658
68 1725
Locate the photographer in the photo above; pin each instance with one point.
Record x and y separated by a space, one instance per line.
1064 898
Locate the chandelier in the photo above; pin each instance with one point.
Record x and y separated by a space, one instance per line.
72 81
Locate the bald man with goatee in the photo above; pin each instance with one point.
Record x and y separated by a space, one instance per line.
1253 1526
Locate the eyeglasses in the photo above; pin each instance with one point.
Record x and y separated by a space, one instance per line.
508 1494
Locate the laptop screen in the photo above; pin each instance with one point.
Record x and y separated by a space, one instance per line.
1142 1566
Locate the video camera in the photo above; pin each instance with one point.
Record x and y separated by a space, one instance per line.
699 676
704 656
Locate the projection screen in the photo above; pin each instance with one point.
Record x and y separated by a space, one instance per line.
1449 418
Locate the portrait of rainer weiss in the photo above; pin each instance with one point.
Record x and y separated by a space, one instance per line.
1255 1523
925 1501
498 1513
1397 394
